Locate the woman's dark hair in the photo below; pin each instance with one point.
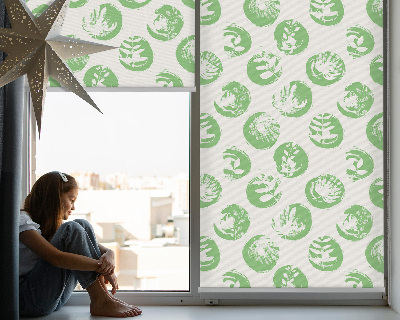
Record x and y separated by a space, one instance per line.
43 203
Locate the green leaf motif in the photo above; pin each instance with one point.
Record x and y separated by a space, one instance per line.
355 223
210 11
189 3
264 68
135 54
326 12
291 37
236 279
360 164
78 3
210 190
39 10
294 100
375 11
376 69
260 253
210 67
168 79
134 4
185 53
100 76
167 24
325 68
209 254
237 163
290 276
375 131
291 160
261 130
360 41
375 254
234 100
358 279
324 191
294 223
104 23
210 132
376 193
232 223
325 254
237 40
357 100
263 191
326 131
261 12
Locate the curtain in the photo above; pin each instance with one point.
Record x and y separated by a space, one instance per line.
11 111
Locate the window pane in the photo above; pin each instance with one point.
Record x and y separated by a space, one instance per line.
132 166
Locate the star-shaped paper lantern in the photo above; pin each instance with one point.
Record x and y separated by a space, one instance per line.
36 48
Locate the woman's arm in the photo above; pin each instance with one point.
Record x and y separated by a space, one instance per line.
65 260
107 260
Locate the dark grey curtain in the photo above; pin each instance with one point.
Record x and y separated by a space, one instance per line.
11 116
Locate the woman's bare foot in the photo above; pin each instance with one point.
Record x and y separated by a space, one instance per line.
111 308
103 284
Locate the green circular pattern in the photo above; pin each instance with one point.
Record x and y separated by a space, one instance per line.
209 254
376 69
263 191
360 164
135 54
294 223
104 23
326 12
233 223
291 37
375 131
360 41
291 160
185 53
325 254
234 100
326 131
167 24
261 12
325 68
210 190
237 163
290 277
376 193
260 253
357 100
238 40
100 76
169 79
324 191
210 66
375 11
261 130
210 11
237 279
355 223
264 68
358 279
375 254
189 3
77 4
133 4
210 132
294 100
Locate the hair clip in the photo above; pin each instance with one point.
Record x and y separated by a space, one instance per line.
63 177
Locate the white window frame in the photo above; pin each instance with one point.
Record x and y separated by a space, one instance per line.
262 296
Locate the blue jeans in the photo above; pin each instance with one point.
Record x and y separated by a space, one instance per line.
47 288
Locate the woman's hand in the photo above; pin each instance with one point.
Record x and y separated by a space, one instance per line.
107 263
112 279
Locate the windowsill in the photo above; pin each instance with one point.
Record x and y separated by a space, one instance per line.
240 312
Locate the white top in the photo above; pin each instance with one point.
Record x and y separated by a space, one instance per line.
27 259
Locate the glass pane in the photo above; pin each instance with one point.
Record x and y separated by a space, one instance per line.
132 166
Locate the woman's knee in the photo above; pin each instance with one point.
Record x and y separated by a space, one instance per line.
71 226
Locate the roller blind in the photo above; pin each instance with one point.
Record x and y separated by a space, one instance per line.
154 40
292 137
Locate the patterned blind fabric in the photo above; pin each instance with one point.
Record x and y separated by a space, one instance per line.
154 40
292 143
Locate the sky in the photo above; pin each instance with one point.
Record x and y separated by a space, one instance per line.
140 133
